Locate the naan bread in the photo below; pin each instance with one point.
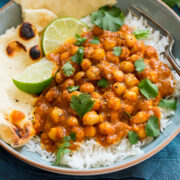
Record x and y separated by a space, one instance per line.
40 18
66 8
18 49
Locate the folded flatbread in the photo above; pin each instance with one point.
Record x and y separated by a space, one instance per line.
17 50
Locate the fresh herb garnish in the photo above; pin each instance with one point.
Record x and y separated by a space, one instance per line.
169 104
133 137
172 3
82 104
80 40
73 136
72 88
140 65
148 89
141 34
95 40
108 18
78 57
152 127
103 83
68 69
117 51
62 150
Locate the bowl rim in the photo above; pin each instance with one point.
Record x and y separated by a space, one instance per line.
104 170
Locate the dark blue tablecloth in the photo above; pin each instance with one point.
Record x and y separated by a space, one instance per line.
165 165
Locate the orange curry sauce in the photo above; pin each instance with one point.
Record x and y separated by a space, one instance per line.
118 108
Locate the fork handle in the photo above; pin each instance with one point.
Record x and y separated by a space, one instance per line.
172 61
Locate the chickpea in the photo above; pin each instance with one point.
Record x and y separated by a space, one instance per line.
127 67
106 128
118 75
124 53
119 88
97 104
138 47
150 52
72 121
79 132
112 58
86 64
90 131
135 89
109 44
142 133
52 94
75 93
108 94
90 118
96 95
114 103
130 80
59 77
64 56
65 95
111 139
133 58
79 76
57 115
97 31
56 133
130 40
153 76
88 51
74 50
130 96
87 88
140 117
93 73
98 54
67 83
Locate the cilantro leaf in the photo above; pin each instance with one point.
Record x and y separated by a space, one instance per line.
95 40
141 34
72 88
80 40
170 104
108 18
140 65
133 137
81 104
152 127
148 89
78 57
172 3
73 136
117 51
103 83
68 69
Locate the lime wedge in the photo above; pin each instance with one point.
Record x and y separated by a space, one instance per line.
35 78
59 31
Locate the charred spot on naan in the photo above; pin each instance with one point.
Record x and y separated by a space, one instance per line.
27 31
35 52
13 47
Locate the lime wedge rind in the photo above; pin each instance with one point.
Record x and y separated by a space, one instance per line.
35 78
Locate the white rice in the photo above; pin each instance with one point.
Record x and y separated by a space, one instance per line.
90 154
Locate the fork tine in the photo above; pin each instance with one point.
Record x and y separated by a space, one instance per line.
168 53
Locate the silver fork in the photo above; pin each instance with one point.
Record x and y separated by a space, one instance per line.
168 52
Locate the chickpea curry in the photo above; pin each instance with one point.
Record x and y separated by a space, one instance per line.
108 86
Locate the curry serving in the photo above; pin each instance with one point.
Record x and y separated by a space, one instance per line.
101 89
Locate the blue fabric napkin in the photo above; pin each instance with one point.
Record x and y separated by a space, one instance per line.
165 165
